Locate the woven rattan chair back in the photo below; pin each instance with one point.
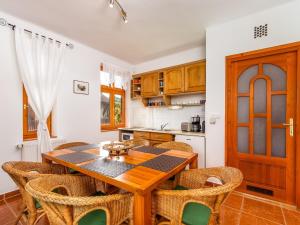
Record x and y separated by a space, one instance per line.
167 202
21 173
138 142
175 145
69 145
65 210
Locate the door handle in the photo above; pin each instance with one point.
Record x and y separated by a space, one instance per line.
291 125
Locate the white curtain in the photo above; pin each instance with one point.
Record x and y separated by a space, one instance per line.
116 75
40 65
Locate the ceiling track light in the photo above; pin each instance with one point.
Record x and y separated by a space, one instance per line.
123 12
111 3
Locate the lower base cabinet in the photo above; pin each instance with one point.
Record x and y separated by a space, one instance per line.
153 137
198 145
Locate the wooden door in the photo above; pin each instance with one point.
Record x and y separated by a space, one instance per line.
260 122
149 85
194 78
174 80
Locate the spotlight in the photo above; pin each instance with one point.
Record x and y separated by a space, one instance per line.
111 3
124 16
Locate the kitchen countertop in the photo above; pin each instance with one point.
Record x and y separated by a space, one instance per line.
174 132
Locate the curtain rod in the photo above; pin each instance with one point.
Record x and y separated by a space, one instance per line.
3 22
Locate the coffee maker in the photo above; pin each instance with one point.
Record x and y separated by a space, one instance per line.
196 125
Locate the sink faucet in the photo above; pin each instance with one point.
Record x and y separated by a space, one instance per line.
163 125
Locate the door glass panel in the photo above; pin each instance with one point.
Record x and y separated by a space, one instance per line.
259 130
32 121
105 108
278 109
278 142
260 96
118 109
245 77
243 109
277 75
243 137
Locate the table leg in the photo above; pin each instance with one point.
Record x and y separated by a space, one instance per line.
194 164
142 209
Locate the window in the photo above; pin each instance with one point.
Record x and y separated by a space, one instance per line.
30 122
112 107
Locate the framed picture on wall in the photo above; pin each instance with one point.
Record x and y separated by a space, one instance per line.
80 87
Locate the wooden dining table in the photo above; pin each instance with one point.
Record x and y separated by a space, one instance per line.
141 175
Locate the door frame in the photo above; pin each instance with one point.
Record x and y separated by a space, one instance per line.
291 47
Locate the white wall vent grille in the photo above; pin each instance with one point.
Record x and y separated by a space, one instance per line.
261 31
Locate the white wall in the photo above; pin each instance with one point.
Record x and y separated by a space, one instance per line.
154 117
171 60
141 116
237 37
77 116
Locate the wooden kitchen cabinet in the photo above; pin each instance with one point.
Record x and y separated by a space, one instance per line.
149 85
174 80
155 138
161 137
141 135
194 77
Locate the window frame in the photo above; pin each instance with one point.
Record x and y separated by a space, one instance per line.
31 135
113 91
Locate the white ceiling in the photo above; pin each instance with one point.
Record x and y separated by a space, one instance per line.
155 28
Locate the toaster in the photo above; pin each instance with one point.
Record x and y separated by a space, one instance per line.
185 126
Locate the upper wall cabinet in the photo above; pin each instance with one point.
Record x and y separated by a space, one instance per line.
194 77
149 85
174 80
164 83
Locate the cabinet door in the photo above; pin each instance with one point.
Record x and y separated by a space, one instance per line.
149 85
161 137
141 135
195 77
174 80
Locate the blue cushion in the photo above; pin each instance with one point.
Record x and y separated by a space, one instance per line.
96 217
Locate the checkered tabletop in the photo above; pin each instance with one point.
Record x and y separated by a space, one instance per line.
151 150
77 157
108 167
164 163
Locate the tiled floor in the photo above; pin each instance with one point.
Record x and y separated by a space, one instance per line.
238 209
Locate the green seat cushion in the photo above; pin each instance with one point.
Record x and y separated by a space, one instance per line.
38 204
96 217
179 187
72 171
196 214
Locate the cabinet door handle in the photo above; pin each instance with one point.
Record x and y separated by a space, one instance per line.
188 139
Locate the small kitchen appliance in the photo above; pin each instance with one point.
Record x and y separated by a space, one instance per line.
196 125
186 126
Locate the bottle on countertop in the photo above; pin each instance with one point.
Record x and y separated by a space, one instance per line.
203 126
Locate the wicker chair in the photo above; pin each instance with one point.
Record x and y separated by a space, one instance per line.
21 173
180 146
175 145
69 145
192 188
138 142
79 206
